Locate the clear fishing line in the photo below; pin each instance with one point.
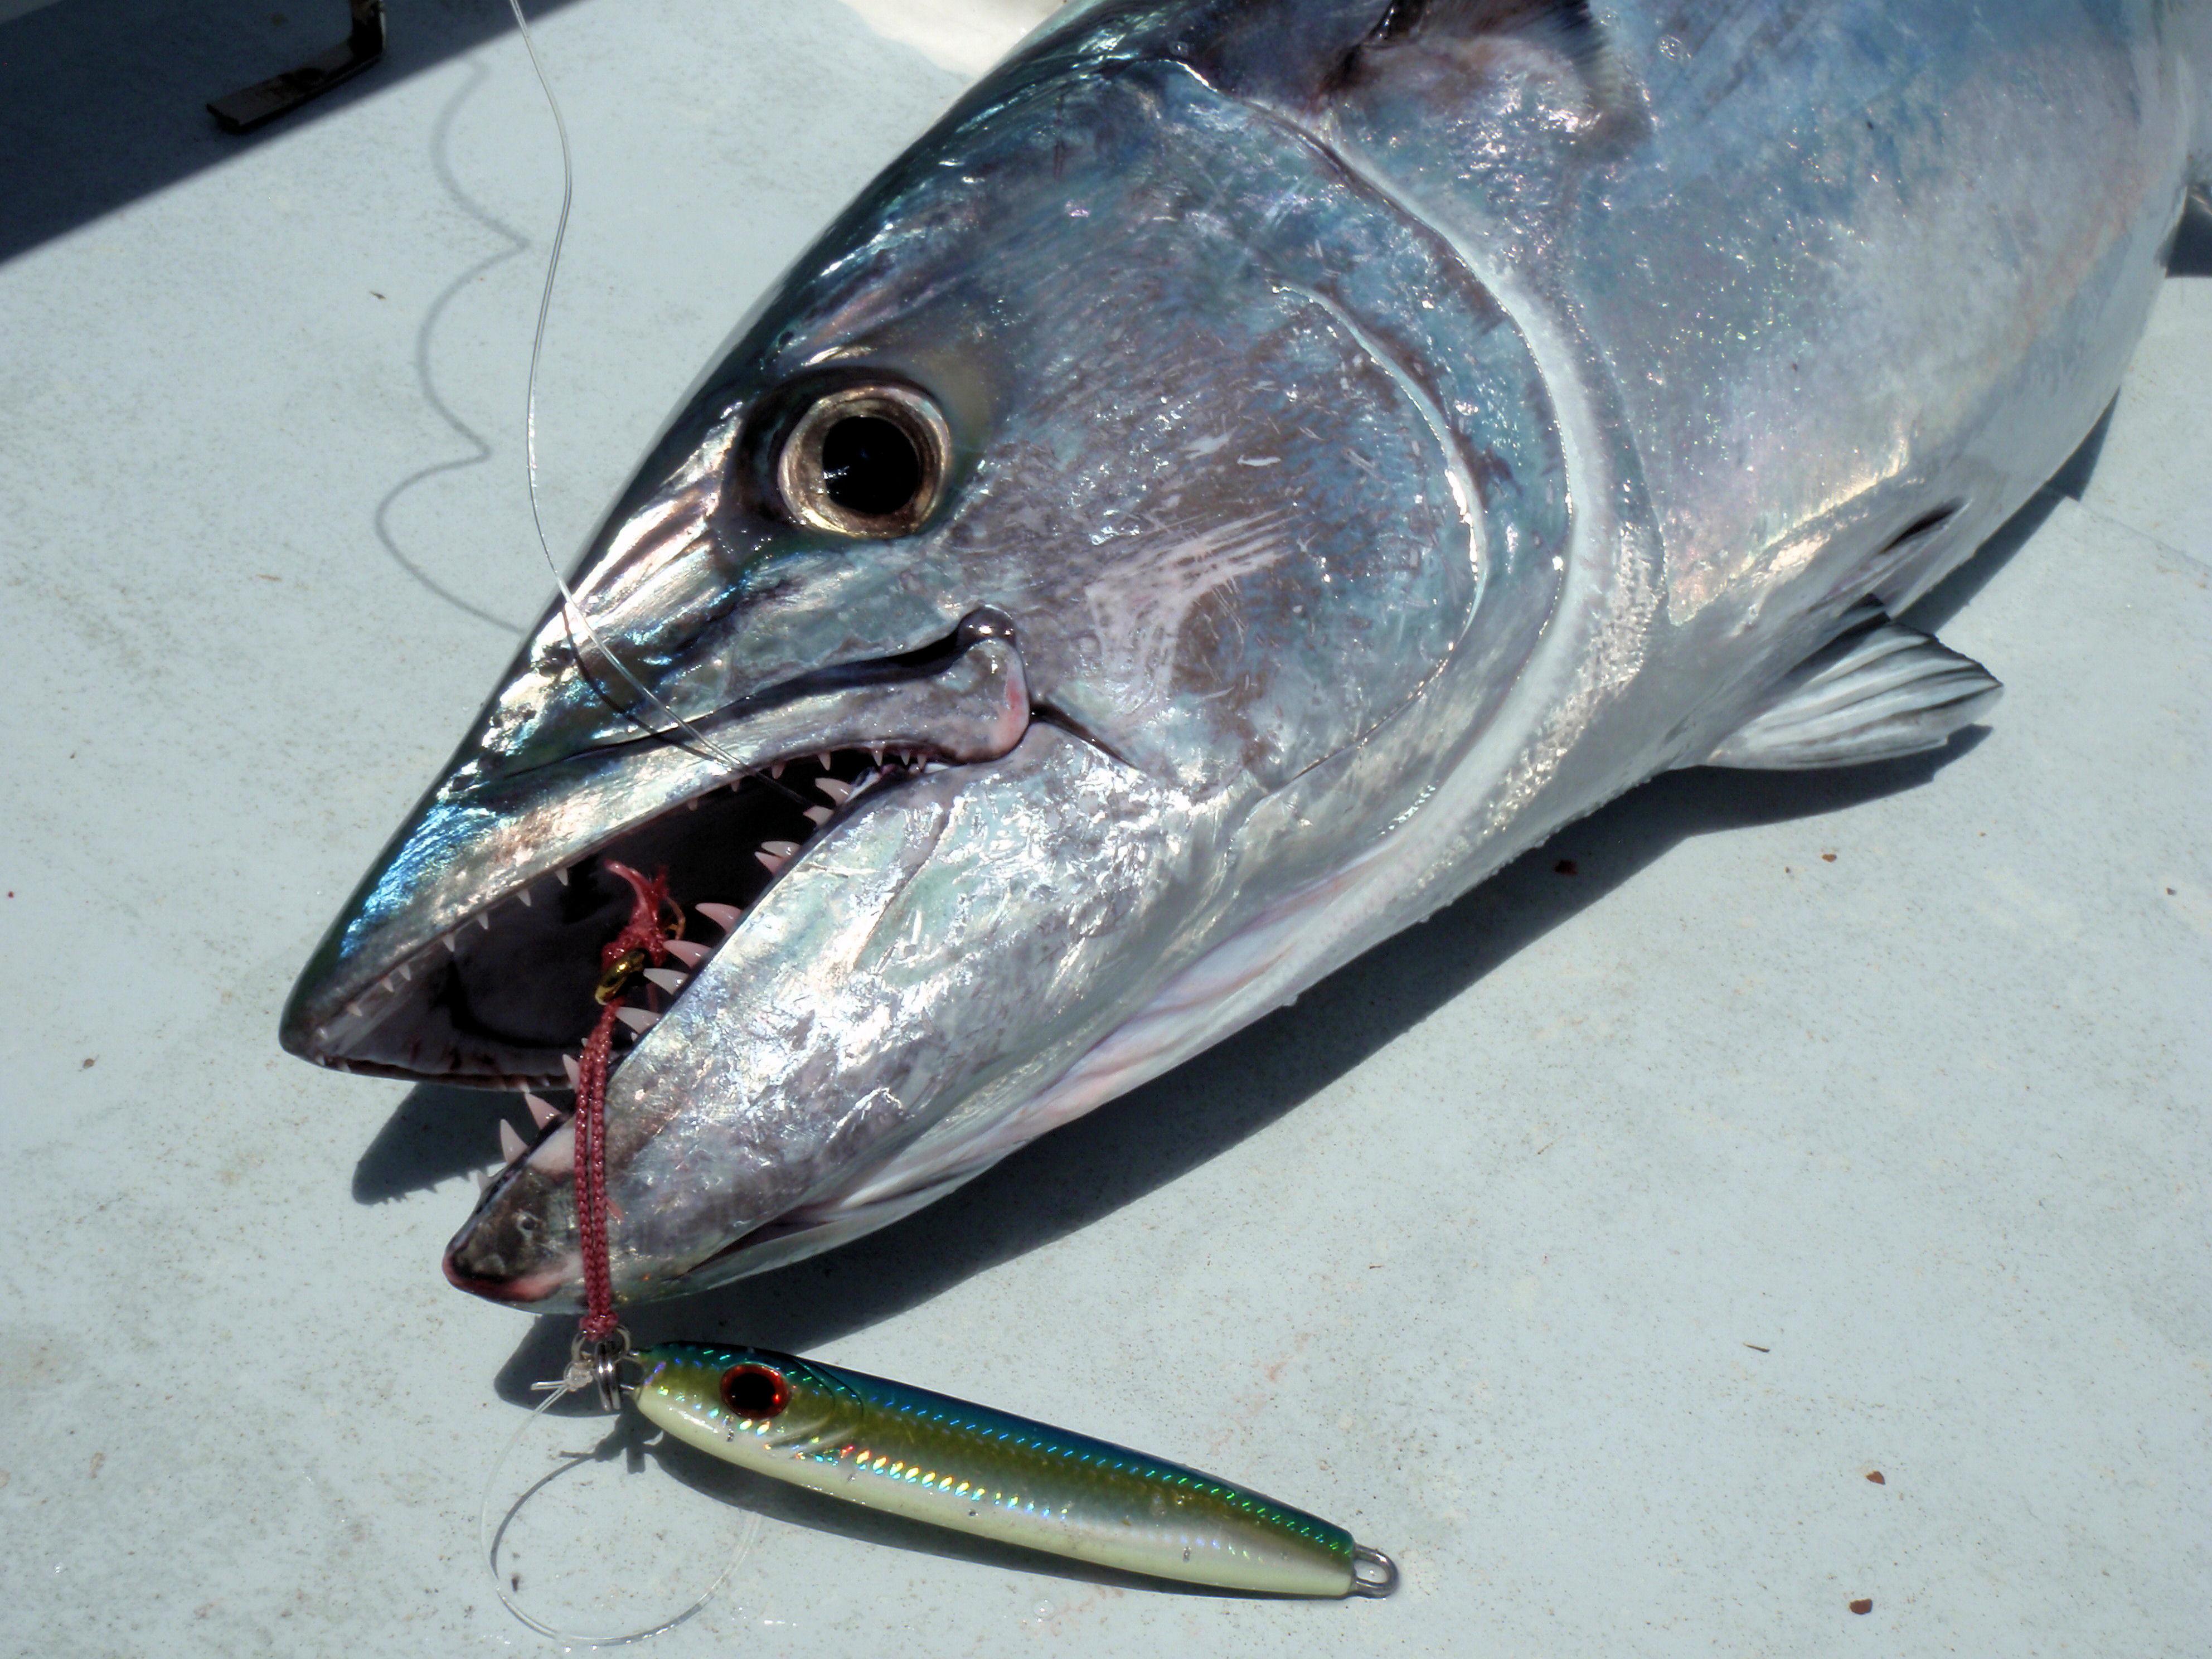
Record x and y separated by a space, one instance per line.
598 1525
575 608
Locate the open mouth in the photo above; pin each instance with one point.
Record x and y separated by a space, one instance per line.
473 955
517 993
505 998
487 947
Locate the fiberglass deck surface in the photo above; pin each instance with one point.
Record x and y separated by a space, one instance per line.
1588 1247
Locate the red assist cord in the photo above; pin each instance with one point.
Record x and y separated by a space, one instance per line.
642 943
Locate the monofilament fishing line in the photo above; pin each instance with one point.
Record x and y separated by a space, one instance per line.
595 1525
573 608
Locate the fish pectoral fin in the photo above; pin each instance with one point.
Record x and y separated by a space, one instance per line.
1878 692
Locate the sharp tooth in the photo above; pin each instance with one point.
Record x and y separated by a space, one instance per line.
524 894
822 759
511 1144
483 919
691 806
453 945
403 973
636 1018
776 769
689 954
819 814
560 875
667 979
724 916
542 1112
575 1072
774 855
876 752
840 793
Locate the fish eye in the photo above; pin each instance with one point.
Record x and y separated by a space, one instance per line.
865 460
755 1391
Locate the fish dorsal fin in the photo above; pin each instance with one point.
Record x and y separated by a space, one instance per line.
1877 692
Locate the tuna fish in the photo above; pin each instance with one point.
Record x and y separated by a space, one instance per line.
1253 469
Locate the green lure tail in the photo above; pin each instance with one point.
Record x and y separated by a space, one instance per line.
985 1473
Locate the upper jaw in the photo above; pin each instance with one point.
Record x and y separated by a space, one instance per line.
457 958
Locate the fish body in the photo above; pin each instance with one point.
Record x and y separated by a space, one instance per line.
989 1474
1255 468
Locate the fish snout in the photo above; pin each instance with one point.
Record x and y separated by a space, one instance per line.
521 1245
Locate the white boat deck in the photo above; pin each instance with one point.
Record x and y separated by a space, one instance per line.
1588 1249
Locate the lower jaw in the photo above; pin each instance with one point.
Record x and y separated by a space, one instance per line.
817 1227
820 1227
861 1202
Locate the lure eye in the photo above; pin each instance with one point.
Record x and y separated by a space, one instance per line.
866 460
755 1391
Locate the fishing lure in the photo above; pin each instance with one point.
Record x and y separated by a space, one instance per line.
924 1455
990 1475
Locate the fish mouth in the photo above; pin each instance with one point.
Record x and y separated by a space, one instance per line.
471 953
500 996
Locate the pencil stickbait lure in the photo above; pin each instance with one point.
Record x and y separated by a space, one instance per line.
985 1473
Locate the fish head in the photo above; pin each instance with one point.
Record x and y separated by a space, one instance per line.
744 1405
1104 475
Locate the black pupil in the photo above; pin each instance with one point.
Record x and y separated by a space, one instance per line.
753 1391
870 466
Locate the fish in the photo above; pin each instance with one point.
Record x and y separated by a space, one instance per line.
1249 472
987 1474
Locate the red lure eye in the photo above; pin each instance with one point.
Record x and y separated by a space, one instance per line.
755 1391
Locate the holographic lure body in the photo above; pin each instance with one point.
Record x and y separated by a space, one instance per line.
990 1475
